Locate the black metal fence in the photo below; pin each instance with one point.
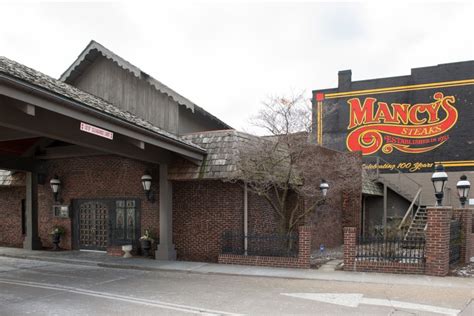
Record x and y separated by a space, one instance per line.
455 242
391 249
273 245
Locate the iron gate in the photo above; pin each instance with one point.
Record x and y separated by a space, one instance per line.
103 222
93 225
455 242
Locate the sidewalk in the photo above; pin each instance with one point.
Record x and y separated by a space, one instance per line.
103 260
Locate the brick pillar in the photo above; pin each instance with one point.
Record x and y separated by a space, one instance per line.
437 241
350 241
465 216
304 246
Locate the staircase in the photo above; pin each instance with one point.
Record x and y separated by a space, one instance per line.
416 230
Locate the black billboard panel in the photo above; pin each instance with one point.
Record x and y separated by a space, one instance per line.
411 122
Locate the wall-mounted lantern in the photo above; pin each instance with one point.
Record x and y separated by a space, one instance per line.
55 184
463 187
146 183
439 179
324 187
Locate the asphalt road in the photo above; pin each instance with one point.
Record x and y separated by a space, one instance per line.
45 288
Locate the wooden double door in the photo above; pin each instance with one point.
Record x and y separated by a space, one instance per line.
99 223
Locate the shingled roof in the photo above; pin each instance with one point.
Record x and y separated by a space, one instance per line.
223 151
11 68
369 186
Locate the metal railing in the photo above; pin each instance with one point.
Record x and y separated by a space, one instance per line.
410 213
391 249
273 245
455 241
401 181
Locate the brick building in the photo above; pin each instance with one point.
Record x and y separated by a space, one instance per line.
102 126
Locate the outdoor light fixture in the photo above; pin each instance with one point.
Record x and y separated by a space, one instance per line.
55 184
324 187
146 183
463 187
439 179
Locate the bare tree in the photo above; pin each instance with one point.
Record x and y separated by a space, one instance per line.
276 167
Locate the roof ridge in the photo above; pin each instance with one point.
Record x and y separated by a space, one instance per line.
222 131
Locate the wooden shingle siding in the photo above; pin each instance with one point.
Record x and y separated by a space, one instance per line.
107 80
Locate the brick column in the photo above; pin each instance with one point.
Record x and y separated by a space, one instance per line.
304 246
465 217
350 241
437 241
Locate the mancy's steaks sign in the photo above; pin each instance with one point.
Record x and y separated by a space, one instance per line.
411 126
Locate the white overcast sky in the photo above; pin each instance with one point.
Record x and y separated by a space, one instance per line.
227 57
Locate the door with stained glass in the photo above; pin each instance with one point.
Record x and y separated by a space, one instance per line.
125 222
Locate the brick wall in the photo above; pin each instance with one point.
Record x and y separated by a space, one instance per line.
81 178
202 212
302 261
10 216
202 209
97 177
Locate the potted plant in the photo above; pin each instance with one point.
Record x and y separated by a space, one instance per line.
145 242
56 234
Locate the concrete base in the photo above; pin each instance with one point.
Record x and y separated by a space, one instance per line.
32 244
165 252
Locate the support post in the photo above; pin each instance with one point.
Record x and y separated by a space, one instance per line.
32 240
350 244
166 249
437 240
246 219
385 210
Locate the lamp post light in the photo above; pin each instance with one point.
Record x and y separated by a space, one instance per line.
146 183
55 184
324 187
439 179
463 187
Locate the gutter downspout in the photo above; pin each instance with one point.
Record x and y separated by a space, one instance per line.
246 217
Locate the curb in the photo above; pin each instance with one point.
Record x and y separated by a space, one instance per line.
339 278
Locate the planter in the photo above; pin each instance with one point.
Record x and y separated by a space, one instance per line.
146 246
56 240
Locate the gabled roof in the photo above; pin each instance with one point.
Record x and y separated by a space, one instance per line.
12 69
94 49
